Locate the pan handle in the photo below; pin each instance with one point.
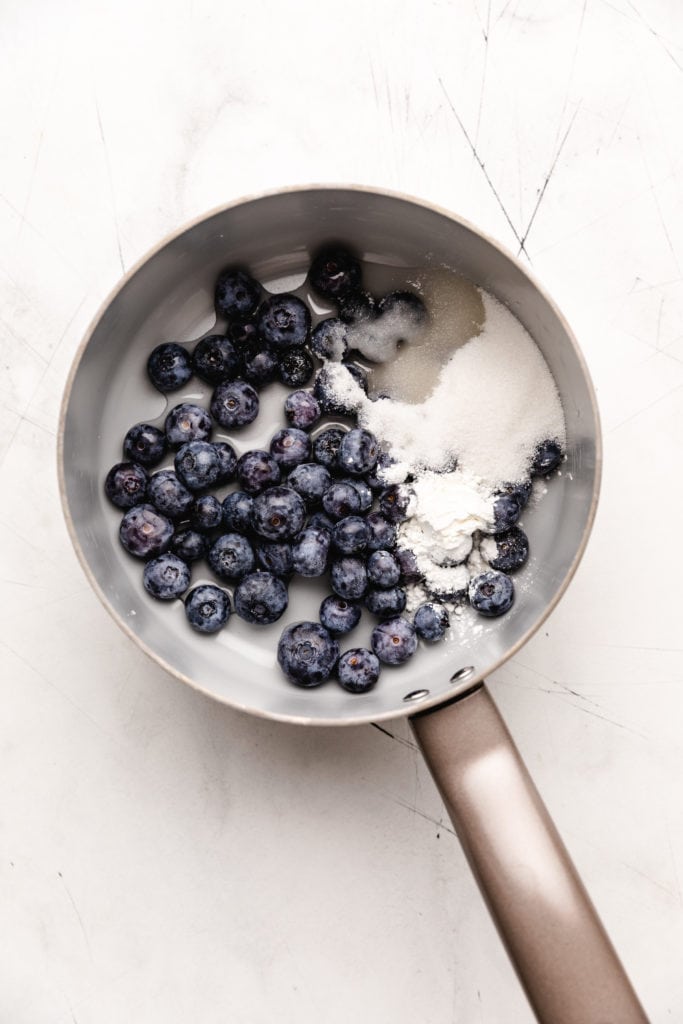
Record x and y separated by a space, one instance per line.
557 944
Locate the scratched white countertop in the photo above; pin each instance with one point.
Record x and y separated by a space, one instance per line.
164 858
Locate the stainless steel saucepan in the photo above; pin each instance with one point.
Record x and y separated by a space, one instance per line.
559 948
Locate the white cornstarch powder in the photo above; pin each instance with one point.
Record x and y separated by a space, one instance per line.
494 402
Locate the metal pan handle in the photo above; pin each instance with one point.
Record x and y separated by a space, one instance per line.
558 946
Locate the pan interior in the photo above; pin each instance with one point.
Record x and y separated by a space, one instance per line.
170 297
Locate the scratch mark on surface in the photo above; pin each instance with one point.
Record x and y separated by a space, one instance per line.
486 32
78 915
111 184
612 721
656 34
662 220
397 739
421 814
547 180
483 167
645 408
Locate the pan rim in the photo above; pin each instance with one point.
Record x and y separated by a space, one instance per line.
430 702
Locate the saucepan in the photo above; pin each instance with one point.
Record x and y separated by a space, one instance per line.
563 957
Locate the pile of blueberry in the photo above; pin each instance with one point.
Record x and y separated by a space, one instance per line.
314 504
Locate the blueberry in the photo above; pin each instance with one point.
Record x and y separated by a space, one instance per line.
227 461
231 556
278 513
206 512
328 339
275 556
290 447
197 465
187 422
358 670
295 367
169 495
394 641
491 593
145 445
242 333
260 598
339 616
334 272
385 601
383 569
362 490
310 552
234 404
407 560
358 452
431 621
349 578
521 492
383 534
326 446
310 480
190 545
406 309
307 653
260 364
375 477
321 520
126 484
207 608
506 551
357 308
340 500
144 532
257 470
169 367
216 359
506 512
350 535
302 410
328 389
394 502
166 577
237 508
547 457
237 294
284 321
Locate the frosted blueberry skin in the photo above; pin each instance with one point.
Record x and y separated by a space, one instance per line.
260 598
216 359
506 512
321 520
406 307
169 495
290 447
335 272
362 489
310 552
431 620
491 593
351 535
310 480
324 391
358 670
547 458
275 556
187 422
256 470
197 465
234 404
374 477
278 513
126 484
237 294
383 534
410 571
512 550
231 557
326 446
169 367
384 569
357 308
207 608
284 321
394 641
227 461
328 339
348 578
340 500
260 364
144 532
144 444
338 615
307 654
394 502
206 512
166 577
190 545
237 508
385 601
295 367
521 492
302 410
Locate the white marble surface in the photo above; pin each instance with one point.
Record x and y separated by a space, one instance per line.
164 859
